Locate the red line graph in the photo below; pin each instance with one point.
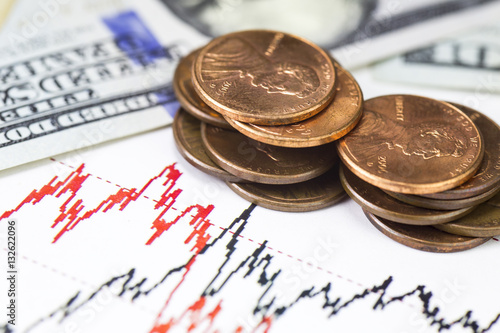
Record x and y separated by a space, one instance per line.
73 211
200 314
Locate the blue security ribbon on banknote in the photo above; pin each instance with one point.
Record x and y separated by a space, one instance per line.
77 73
115 82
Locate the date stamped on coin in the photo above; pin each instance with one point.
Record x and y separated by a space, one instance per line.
10 234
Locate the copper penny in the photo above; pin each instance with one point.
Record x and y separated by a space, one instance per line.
378 202
313 194
187 137
261 163
264 77
336 120
424 238
189 99
484 221
412 144
445 204
488 174
495 201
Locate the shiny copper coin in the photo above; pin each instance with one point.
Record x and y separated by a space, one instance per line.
310 195
264 77
261 163
378 202
187 137
411 144
189 99
484 221
424 238
488 174
336 120
445 204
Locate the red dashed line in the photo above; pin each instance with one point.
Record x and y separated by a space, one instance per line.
73 278
54 160
109 182
232 232
55 270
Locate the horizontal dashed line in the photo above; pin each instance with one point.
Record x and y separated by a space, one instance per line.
232 232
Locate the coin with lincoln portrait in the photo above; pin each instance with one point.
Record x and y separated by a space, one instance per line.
335 121
264 77
487 176
412 144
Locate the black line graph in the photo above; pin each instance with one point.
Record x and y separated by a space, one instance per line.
132 287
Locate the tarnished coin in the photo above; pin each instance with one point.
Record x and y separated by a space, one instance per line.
336 120
264 77
412 144
445 204
484 221
378 202
424 238
189 99
187 137
495 201
488 174
261 163
310 195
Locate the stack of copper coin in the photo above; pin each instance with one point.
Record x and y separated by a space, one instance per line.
260 110
426 172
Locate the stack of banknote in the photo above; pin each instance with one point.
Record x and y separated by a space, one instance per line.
75 74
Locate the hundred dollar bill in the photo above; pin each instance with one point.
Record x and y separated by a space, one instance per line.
470 61
77 73
358 32
74 73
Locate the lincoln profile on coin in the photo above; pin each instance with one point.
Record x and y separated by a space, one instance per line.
376 132
234 58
